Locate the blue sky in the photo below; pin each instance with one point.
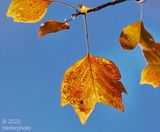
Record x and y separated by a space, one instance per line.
31 69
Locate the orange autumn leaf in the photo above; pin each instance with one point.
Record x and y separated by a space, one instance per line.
92 80
136 34
28 11
52 26
151 73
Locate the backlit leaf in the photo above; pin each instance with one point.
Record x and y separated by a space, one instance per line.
92 80
52 26
151 73
28 11
136 34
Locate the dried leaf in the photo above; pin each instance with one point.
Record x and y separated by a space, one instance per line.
134 34
151 73
28 11
84 9
92 80
52 26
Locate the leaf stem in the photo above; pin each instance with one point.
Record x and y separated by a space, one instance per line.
69 20
66 5
141 12
86 33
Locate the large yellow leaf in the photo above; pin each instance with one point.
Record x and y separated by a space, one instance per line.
92 80
28 11
136 34
52 26
151 73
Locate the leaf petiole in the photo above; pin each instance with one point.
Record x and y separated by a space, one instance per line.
86 33
141 12
66 5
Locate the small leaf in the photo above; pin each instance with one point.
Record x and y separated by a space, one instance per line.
52 26
84 9
151 73
92 80
28 11
136 34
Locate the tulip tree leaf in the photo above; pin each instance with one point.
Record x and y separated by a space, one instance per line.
151 73
137 34
52 26
28 11
92 80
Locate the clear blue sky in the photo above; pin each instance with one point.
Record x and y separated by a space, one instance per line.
31 69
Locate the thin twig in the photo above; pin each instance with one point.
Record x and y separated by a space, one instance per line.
66 5
100 7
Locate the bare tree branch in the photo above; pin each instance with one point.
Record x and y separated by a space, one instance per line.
100 7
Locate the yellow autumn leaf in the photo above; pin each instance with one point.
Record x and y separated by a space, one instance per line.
151 73
84 9
136 34
92 80
28 11
52 26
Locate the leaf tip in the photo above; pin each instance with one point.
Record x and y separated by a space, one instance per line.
83 115
120 107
